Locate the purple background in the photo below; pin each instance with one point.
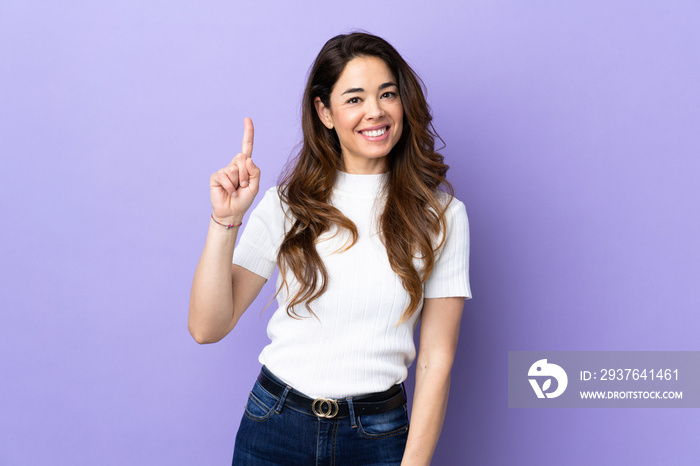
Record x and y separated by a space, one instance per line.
572 133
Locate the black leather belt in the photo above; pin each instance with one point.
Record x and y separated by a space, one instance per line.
374 403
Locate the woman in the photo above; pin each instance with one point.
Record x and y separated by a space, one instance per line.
366 243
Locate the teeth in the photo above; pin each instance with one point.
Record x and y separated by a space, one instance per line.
375 133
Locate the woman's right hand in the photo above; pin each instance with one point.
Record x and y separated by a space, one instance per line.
234 187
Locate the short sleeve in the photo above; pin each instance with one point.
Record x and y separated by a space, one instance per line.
450 275
260 241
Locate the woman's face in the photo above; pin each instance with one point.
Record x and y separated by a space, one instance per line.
366 113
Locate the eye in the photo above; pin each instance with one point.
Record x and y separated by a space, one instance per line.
353 100
389 95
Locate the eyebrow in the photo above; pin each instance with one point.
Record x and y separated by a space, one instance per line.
359 89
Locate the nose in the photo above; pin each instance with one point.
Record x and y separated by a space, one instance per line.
374 109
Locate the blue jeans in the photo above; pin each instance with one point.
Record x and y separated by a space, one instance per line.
275 433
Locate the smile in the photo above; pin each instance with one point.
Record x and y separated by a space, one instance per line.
374 133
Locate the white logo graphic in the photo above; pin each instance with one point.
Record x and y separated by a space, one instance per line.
543 369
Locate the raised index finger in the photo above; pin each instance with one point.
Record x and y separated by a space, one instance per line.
247 144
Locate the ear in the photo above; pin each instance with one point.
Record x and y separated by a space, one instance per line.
324 113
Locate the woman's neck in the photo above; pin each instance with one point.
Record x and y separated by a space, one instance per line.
364 166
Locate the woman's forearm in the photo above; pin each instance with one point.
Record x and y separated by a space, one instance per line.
211 301
428 413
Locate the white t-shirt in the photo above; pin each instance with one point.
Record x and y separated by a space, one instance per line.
353 346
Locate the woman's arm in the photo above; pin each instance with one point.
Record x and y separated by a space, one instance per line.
439 333
221 292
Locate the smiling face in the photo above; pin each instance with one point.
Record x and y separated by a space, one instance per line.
366 113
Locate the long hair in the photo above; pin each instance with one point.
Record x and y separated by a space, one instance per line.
414 213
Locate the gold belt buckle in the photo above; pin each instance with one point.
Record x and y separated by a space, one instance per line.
325 407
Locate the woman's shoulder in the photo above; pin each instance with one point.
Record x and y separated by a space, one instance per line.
271 198
450 203
456 222
272 205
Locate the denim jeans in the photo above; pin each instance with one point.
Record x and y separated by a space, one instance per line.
275 433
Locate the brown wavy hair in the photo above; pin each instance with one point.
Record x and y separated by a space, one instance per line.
414 213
